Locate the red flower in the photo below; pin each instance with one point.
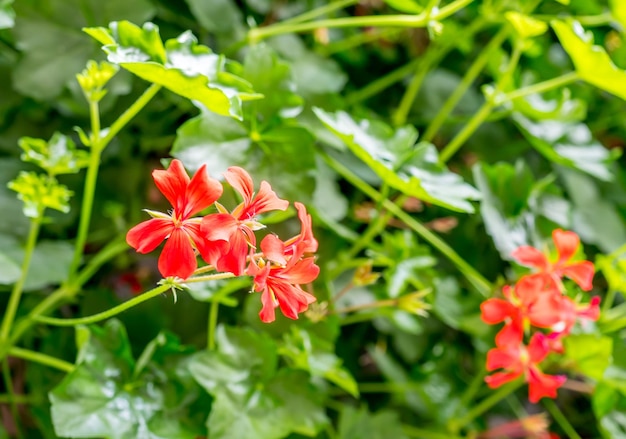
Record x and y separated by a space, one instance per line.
566 244
182 232
532 302
279 280
516 360
232 234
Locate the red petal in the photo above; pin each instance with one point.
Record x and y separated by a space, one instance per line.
511 334
264 201
541 385
147 236
499 378
273 249
302 272
531 257
239 179
291 299
234 260
173 183
201 192
496 310
267 313
178 258
210 251
219 226
590 311
505 358
306 235
566 243
580 272
545 311
538 347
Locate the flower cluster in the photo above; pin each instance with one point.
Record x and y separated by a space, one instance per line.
226 240
538 307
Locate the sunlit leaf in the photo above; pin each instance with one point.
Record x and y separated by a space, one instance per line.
592 62
56 156
7 14
39 192
181 65
590 354
565 108
413 169
525 26
569 144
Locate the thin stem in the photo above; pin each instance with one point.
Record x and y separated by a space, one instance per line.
8 384
472 389
105 314
16 293
40 358
216 276
90 189
585 20
355 40
482 285
318 12
485 404
469 77
543 86
212 325
607 303
426 434
130 112
421 20
482 114
560 418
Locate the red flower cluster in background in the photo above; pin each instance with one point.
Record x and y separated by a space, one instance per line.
538 307
227 240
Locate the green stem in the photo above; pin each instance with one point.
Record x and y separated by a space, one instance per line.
469 77
376 86
426 434
105 314
90 188
558 416
472 389
482 285
216 276
355 40
318 12
16 293
432 57
8 384
607 303
213 312
420 20
585 20
130 112
482 114
21 399
485 405
543 86
40 358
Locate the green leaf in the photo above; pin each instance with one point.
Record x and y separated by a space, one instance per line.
10 272
217 16
412 169
407 6
525 26
7 14
592 62
283 155
218 290
272 77
564 108
53 47
609 406
618 10
569 144
39 192
590 354
360 423
309 352
56 156
457 307
106 396
181 65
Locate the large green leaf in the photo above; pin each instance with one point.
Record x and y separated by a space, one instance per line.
592 62
54 48
309 352
360 423
108 395
181 65
590 354
252 400
282 155
569 144
412 169
10 271
609 406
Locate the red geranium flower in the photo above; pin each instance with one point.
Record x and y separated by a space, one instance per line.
233 232
516 360
566 244
532 302
279 280
188 197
